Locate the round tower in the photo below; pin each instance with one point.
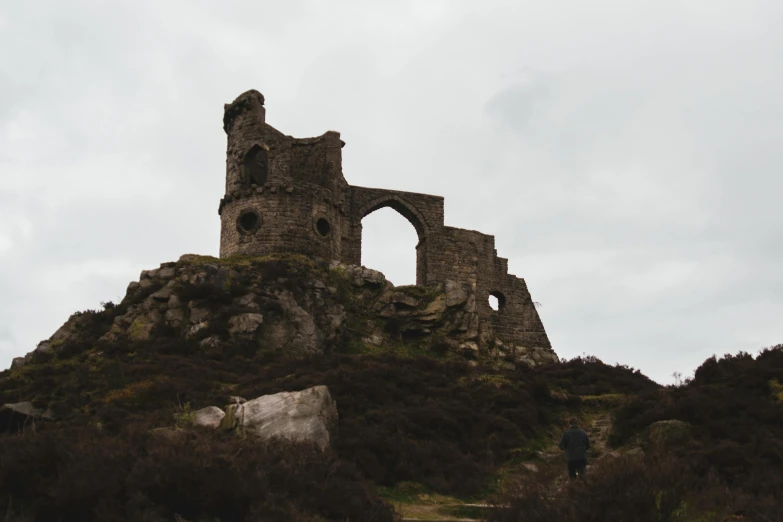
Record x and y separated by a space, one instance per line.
282 194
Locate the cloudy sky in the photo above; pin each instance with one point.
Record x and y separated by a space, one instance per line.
626 154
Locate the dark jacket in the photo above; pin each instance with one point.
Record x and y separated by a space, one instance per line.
575 442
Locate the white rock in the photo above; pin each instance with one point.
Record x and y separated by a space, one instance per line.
209 417
307 415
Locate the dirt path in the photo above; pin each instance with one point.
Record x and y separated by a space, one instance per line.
439 513
438 508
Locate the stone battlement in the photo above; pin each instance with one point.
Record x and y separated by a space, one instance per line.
286 194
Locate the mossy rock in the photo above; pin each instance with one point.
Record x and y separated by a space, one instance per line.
667 433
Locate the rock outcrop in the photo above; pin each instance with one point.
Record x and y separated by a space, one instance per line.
287 303
307 415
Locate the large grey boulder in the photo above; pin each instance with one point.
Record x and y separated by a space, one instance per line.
307 415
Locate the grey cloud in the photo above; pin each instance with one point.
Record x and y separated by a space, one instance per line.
625 157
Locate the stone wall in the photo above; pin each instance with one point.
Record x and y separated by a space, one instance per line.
467 256
285 194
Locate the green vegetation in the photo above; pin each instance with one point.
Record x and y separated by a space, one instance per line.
776 388
736 425
420 428
185 417
424 293
605 400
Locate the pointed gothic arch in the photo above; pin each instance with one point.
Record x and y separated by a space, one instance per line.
403 207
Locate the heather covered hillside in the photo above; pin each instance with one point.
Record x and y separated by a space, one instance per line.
709 449
99 422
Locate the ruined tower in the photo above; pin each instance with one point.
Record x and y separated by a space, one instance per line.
285 194
282 194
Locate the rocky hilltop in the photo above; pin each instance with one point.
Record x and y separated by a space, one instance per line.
288 303
276 388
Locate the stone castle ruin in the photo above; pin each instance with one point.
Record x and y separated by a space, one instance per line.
287 194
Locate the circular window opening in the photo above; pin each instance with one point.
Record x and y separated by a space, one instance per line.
323 227
497 301
248 222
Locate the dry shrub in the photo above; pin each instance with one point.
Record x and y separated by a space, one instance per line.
660 487
441 423
737 433
415 419
590 376
83 474
401 419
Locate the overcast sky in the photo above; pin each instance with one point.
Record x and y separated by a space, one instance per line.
626 154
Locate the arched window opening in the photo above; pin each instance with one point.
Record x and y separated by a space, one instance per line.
389 246
256 166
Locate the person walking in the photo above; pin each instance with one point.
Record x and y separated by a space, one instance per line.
575 443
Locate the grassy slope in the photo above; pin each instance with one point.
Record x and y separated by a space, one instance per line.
728 468
408 415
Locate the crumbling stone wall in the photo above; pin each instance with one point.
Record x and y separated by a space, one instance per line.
285 194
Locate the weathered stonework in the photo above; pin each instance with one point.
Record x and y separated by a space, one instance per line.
285 194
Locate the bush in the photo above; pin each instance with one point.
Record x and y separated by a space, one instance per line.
415 418
735 417
591 376
85 475
660 487
439 423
